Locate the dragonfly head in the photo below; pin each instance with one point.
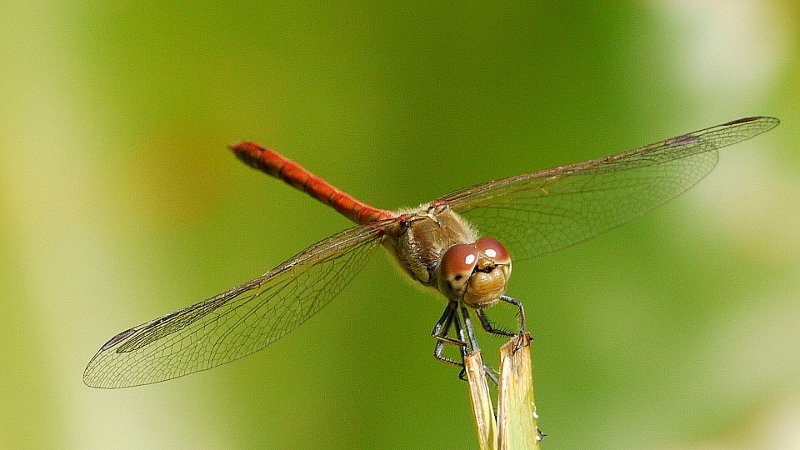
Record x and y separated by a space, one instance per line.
475 274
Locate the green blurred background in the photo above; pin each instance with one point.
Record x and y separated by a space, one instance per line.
120 203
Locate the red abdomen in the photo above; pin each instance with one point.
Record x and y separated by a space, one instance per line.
273 163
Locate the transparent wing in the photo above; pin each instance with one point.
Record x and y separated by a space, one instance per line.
237 322
548 210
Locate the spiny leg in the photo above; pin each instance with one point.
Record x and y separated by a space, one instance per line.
474 344
518 304
487 324
440 333
466 338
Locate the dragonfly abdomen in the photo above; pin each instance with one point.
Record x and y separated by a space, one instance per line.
295 175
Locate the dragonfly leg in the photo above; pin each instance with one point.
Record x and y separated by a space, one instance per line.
466 338
440 333
518 304
489 327
473 343
487 324
474 346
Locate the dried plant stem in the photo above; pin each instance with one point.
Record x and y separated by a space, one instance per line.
514 427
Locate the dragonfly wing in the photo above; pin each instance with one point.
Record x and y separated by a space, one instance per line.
237 322
549 210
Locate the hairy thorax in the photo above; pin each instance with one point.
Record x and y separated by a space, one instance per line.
441 250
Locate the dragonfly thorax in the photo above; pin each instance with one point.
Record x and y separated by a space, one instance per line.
441 250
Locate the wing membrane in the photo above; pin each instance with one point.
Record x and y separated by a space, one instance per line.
237 322
555 208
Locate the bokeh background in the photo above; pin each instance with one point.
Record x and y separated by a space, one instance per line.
119 203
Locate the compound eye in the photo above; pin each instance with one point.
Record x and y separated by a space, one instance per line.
493 249
457 263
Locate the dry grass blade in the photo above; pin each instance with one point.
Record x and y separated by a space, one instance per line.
482 408
515 425
516 410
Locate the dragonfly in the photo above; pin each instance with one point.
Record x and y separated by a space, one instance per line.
460 245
